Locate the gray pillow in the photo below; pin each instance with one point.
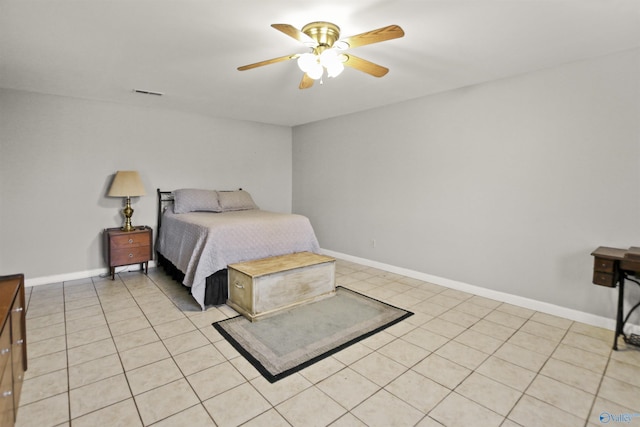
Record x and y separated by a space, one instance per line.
235 201
191 200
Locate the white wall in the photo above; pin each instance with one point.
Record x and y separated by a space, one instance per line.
507 185
58 156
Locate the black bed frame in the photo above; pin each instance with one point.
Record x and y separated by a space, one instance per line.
165 199
216 292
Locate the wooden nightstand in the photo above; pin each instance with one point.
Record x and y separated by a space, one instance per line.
128 247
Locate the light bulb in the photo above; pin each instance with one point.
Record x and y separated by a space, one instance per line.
334 70
307 61
329 57
331 60
316 71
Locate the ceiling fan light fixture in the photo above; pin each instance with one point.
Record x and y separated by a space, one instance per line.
331 60
316 71
341 44
310 64
324 40
307 61
335 70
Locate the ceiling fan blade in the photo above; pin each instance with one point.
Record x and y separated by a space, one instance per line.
267 62
381 34
306 82
365 66
295 33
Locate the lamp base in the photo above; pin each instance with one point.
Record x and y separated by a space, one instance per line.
128 213
128 227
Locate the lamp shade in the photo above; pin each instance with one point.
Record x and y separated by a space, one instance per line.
126 184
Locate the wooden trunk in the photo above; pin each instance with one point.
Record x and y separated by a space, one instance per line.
266 286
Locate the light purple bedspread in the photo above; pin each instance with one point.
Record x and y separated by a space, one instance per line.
201 243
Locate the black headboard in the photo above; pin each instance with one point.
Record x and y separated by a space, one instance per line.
165 199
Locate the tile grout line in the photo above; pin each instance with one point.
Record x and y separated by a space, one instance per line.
381 287
124 372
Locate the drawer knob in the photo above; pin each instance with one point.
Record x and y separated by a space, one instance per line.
18 309
130 255
130 240
5 351
238 285
20 342
6 393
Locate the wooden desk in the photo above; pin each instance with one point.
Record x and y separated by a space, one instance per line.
611 267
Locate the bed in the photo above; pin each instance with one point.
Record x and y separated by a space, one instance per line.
200 232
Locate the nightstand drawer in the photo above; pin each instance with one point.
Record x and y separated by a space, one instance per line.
130 240
132 255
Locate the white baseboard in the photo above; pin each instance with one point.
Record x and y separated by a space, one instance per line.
47 280
544 307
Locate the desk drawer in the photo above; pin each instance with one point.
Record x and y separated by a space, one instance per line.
604 265
629 265
604 279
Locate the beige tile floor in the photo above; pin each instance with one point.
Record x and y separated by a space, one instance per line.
137 351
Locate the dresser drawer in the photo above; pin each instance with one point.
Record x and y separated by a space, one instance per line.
18 352
5 347
7 408
134 255
130 240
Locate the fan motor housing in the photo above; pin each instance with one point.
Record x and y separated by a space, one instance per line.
323 33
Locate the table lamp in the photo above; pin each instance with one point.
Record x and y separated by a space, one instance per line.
127 184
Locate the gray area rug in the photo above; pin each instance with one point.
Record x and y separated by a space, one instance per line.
284 343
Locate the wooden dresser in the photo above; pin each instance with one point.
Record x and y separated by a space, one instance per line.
13 346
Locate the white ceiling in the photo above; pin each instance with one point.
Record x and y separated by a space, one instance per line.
190 49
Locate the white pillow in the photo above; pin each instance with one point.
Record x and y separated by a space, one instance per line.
191 200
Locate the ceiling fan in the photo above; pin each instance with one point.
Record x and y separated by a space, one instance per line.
328 50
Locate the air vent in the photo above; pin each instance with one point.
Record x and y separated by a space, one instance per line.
148 92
